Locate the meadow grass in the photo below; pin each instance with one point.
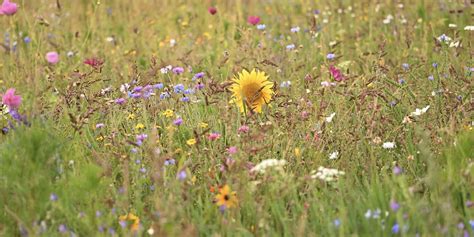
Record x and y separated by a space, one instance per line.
348 80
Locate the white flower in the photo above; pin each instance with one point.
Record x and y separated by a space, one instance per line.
330 117
172 42
290 47
261 26
326 174
110 39
285 84
452 26
124 88
419 112
265 164
444 38
150 231
388 145
469 28
327 84
295 29
334 155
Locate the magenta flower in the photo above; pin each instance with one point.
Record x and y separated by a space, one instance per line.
336 73
232 150
94 62
8 8
244 129
214 136
212 10
253 20
11 100
52 57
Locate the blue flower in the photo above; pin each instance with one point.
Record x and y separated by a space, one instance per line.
330 56
261 27
290 47
164 95
395 229
27 40
158 86
178 88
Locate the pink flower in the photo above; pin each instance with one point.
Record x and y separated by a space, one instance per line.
336 73
214 136
244 129
52 57
232 150
212 10
11 100
253 20
8 8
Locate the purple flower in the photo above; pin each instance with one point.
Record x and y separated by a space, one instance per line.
199 86
431 77
143 170
123 224
98 213
397 170
182 175
435 65
138 89
198 75
330 56
222 208
178 70
120 101
178 121
99 125
62 228
53 197
185 99
141 137
394 205
401 81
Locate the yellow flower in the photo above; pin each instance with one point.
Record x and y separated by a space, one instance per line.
132 219
191 141
297 152
226 197
168 113
99 138
139 126
203 125
131 117
251 90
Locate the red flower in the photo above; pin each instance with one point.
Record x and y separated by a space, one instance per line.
253 20
212 10
94 62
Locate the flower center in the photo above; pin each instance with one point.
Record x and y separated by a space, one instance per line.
226 197
252 92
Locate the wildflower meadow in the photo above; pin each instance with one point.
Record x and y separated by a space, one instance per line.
236 118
